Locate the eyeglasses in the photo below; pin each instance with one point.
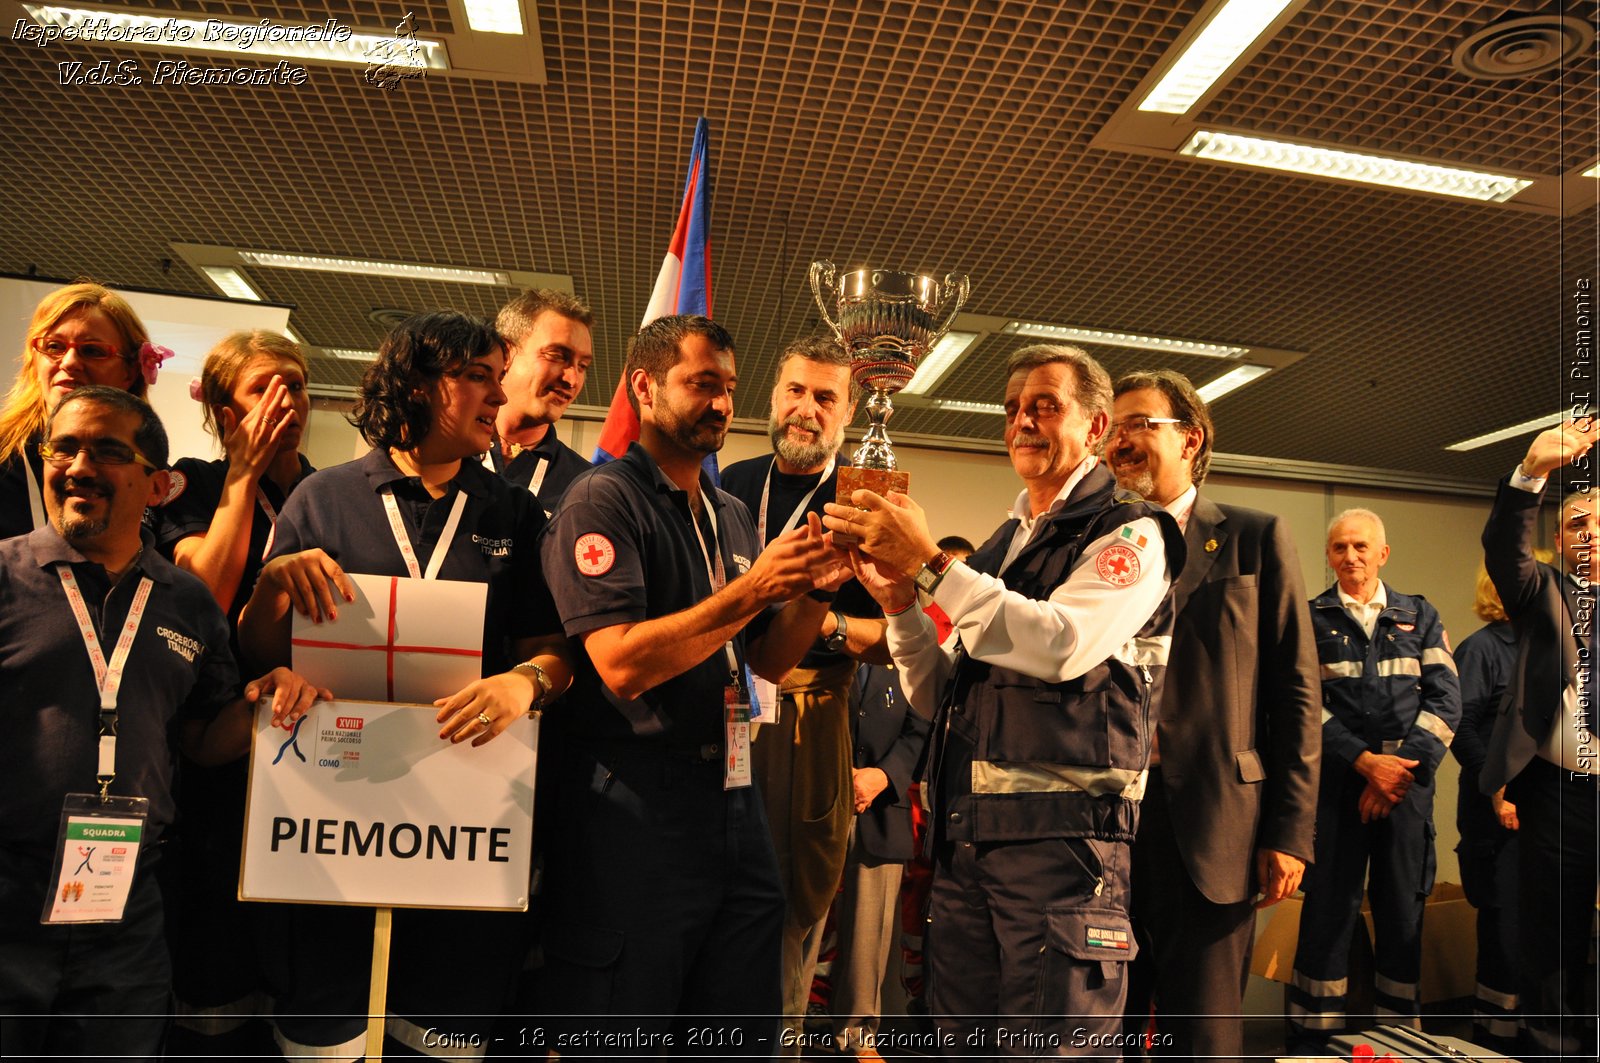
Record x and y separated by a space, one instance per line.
1139 424
1039 410
64 452
55 350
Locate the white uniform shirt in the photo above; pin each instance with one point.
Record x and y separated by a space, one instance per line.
1087 619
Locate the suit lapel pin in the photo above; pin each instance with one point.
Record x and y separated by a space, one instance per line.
1211 546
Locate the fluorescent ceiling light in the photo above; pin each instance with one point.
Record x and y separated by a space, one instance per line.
370 267
323 42
939 361
1122 339
968 407
348 355
1523 428
1232 380
1233 29
1593 171
494 16
231 282
1351 166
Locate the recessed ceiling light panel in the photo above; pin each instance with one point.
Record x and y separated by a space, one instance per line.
494 16
1232 30
1521 428
1109 338
1232 380
1352 166
231 282
371 267
938 362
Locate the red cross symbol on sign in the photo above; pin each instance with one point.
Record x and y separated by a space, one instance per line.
594 554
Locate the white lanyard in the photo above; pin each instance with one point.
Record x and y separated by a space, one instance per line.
794 518
403 540
35 495
107 678
539 470
714 569
272 520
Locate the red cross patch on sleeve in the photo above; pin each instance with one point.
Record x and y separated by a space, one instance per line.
594 553
179 483
1118 565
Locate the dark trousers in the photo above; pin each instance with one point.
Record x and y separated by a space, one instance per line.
1194 954
320 973
1400 849
1489 872
1556 901
664 911
1027 948
88 991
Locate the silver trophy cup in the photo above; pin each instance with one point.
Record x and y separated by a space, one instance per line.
888 322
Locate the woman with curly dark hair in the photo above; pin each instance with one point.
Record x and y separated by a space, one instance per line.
416 503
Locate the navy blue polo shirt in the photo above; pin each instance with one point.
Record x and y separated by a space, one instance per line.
623 549
192 503
178 669
560 463
16 507
746 480
341 511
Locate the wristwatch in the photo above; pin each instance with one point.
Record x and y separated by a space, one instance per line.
540 680
929 575
835 642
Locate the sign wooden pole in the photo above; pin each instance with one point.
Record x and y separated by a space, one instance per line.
378 998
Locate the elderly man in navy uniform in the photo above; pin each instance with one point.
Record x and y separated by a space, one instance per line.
1543 749
662 894
1043 694
548 354
1233 779
104 646
1390 706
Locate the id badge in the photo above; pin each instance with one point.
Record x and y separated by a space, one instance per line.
736 727
97 853
768 700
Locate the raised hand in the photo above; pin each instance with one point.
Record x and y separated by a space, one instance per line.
1561 445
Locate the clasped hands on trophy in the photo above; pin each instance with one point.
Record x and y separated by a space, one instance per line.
891 543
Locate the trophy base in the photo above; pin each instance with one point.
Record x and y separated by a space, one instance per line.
881 481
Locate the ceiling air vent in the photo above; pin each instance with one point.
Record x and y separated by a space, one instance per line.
387 318
1521 46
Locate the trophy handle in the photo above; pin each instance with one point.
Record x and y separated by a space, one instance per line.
822 279
954 291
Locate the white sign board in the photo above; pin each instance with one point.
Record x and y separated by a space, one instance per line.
363 803
402 639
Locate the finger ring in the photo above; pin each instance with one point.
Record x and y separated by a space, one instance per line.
483 718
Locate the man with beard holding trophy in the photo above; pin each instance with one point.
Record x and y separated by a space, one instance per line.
1041 700
802 757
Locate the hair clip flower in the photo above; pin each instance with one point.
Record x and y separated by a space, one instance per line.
150 359
196 391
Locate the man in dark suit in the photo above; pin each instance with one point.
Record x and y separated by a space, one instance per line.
888 746
1229 811
1543 750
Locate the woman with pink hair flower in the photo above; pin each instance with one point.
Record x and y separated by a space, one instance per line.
80 334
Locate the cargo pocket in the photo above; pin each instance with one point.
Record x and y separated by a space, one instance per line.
581 967
1086 956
